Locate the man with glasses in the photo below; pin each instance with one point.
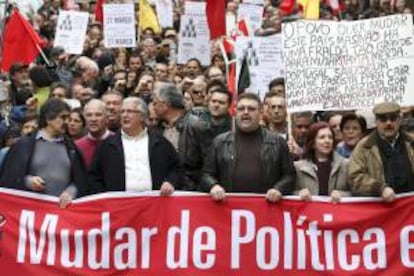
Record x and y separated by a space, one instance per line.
135 159
249 159
382 164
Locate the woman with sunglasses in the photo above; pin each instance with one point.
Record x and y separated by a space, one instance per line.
323 171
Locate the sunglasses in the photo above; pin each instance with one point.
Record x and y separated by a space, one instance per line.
385 117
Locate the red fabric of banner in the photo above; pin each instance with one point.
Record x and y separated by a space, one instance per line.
20 41
117 234
216 18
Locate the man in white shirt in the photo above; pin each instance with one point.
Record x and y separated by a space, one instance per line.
135 159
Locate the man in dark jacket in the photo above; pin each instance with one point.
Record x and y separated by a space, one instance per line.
135 159
188 134
47 162
249 159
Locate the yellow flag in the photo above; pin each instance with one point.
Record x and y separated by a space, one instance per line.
310 8
147 17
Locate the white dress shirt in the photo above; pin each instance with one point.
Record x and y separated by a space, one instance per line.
137 164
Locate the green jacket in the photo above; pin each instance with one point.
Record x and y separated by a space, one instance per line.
366 171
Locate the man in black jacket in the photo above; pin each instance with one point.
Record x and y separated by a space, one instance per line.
135 159
249 159
186 132
47 161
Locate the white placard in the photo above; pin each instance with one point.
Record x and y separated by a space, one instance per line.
253 14
194 41
256 2
71 31
195 8
349 65
165 13
119 25
230 23
265 61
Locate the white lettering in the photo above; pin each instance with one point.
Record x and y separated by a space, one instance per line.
199 247
130 247
181 233
236 238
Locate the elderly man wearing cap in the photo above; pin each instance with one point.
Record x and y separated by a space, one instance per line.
382 164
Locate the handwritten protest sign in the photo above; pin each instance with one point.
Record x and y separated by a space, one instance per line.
71 31
264 58
253 14
256 2
194 34
119 25
165 13
349 65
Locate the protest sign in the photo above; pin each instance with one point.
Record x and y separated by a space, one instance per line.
256 2
119 25
230 23
253 14
349 65
71 31
165 13
264 58
130 234
194 36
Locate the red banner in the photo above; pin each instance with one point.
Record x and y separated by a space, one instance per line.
124 234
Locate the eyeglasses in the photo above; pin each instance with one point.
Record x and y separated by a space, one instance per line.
130 111
385 117
243 108
197 92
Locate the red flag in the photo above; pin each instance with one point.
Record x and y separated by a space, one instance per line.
216 17
231 84
21 42
243 28
228 46
99 10
287 6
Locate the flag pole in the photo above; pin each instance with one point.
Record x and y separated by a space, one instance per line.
3 26
43 54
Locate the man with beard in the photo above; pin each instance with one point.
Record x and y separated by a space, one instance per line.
145 86
249 159
113 101
382 164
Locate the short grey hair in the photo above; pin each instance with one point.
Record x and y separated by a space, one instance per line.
101 105
171 95
139 103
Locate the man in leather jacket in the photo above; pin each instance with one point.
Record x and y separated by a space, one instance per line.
188 134
249 159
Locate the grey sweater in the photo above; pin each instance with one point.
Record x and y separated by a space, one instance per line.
51 162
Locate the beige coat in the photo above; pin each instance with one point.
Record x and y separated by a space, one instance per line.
366 171
306 176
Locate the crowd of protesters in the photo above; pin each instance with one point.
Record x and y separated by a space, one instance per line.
135 120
